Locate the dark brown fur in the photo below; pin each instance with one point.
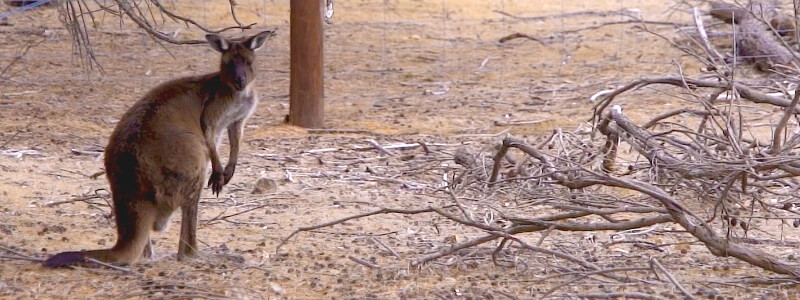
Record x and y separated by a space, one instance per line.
157 157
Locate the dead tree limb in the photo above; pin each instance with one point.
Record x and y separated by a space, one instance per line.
678 212
758 27
717 245
756 40
743 90
726 12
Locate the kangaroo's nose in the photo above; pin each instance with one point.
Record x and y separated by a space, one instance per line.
239 83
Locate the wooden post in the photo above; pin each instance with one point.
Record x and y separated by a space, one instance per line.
306 101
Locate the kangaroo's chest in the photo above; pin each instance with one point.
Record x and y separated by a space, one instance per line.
237 108
240 108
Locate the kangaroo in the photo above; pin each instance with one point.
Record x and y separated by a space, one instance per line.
157 157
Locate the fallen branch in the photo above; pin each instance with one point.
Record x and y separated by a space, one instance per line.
26 258
671 278
76 199
518 35
628 295
363 262
342 130
623 12
717 245
744 91
353 217
756 41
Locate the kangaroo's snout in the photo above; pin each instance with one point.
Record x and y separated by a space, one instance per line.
239 83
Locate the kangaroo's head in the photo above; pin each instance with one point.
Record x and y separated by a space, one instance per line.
238 55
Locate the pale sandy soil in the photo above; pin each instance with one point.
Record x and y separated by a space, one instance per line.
385 63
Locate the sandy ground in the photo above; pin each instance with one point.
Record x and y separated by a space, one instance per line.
408 71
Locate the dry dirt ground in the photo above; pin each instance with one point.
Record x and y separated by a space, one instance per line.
406 71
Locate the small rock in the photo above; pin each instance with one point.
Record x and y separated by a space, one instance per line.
276 288
58 229
9 229
453 239
264 185
52 229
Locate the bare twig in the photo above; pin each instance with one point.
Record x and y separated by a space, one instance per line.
455 248
12 251
175 16
126 8
624 295
76 199
220 217
671 278
74 14
384 246
778 134
358 216
233 12
364 262
568 15
701 32
110 266
19 56
27 258
520 35
379 147
342 130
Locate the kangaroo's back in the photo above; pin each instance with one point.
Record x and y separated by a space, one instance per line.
176 104
157 156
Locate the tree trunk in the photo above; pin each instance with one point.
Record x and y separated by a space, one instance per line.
306 101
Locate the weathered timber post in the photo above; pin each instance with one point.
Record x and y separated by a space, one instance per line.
306 103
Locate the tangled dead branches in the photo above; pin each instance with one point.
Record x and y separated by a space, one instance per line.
703 167
80 16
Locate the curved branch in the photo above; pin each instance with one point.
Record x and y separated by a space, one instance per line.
534 225
744 91
128 10
717 245
175 16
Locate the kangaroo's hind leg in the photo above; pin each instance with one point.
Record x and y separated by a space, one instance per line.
188 241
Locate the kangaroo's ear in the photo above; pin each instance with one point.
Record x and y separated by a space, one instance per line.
217 42
257 41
